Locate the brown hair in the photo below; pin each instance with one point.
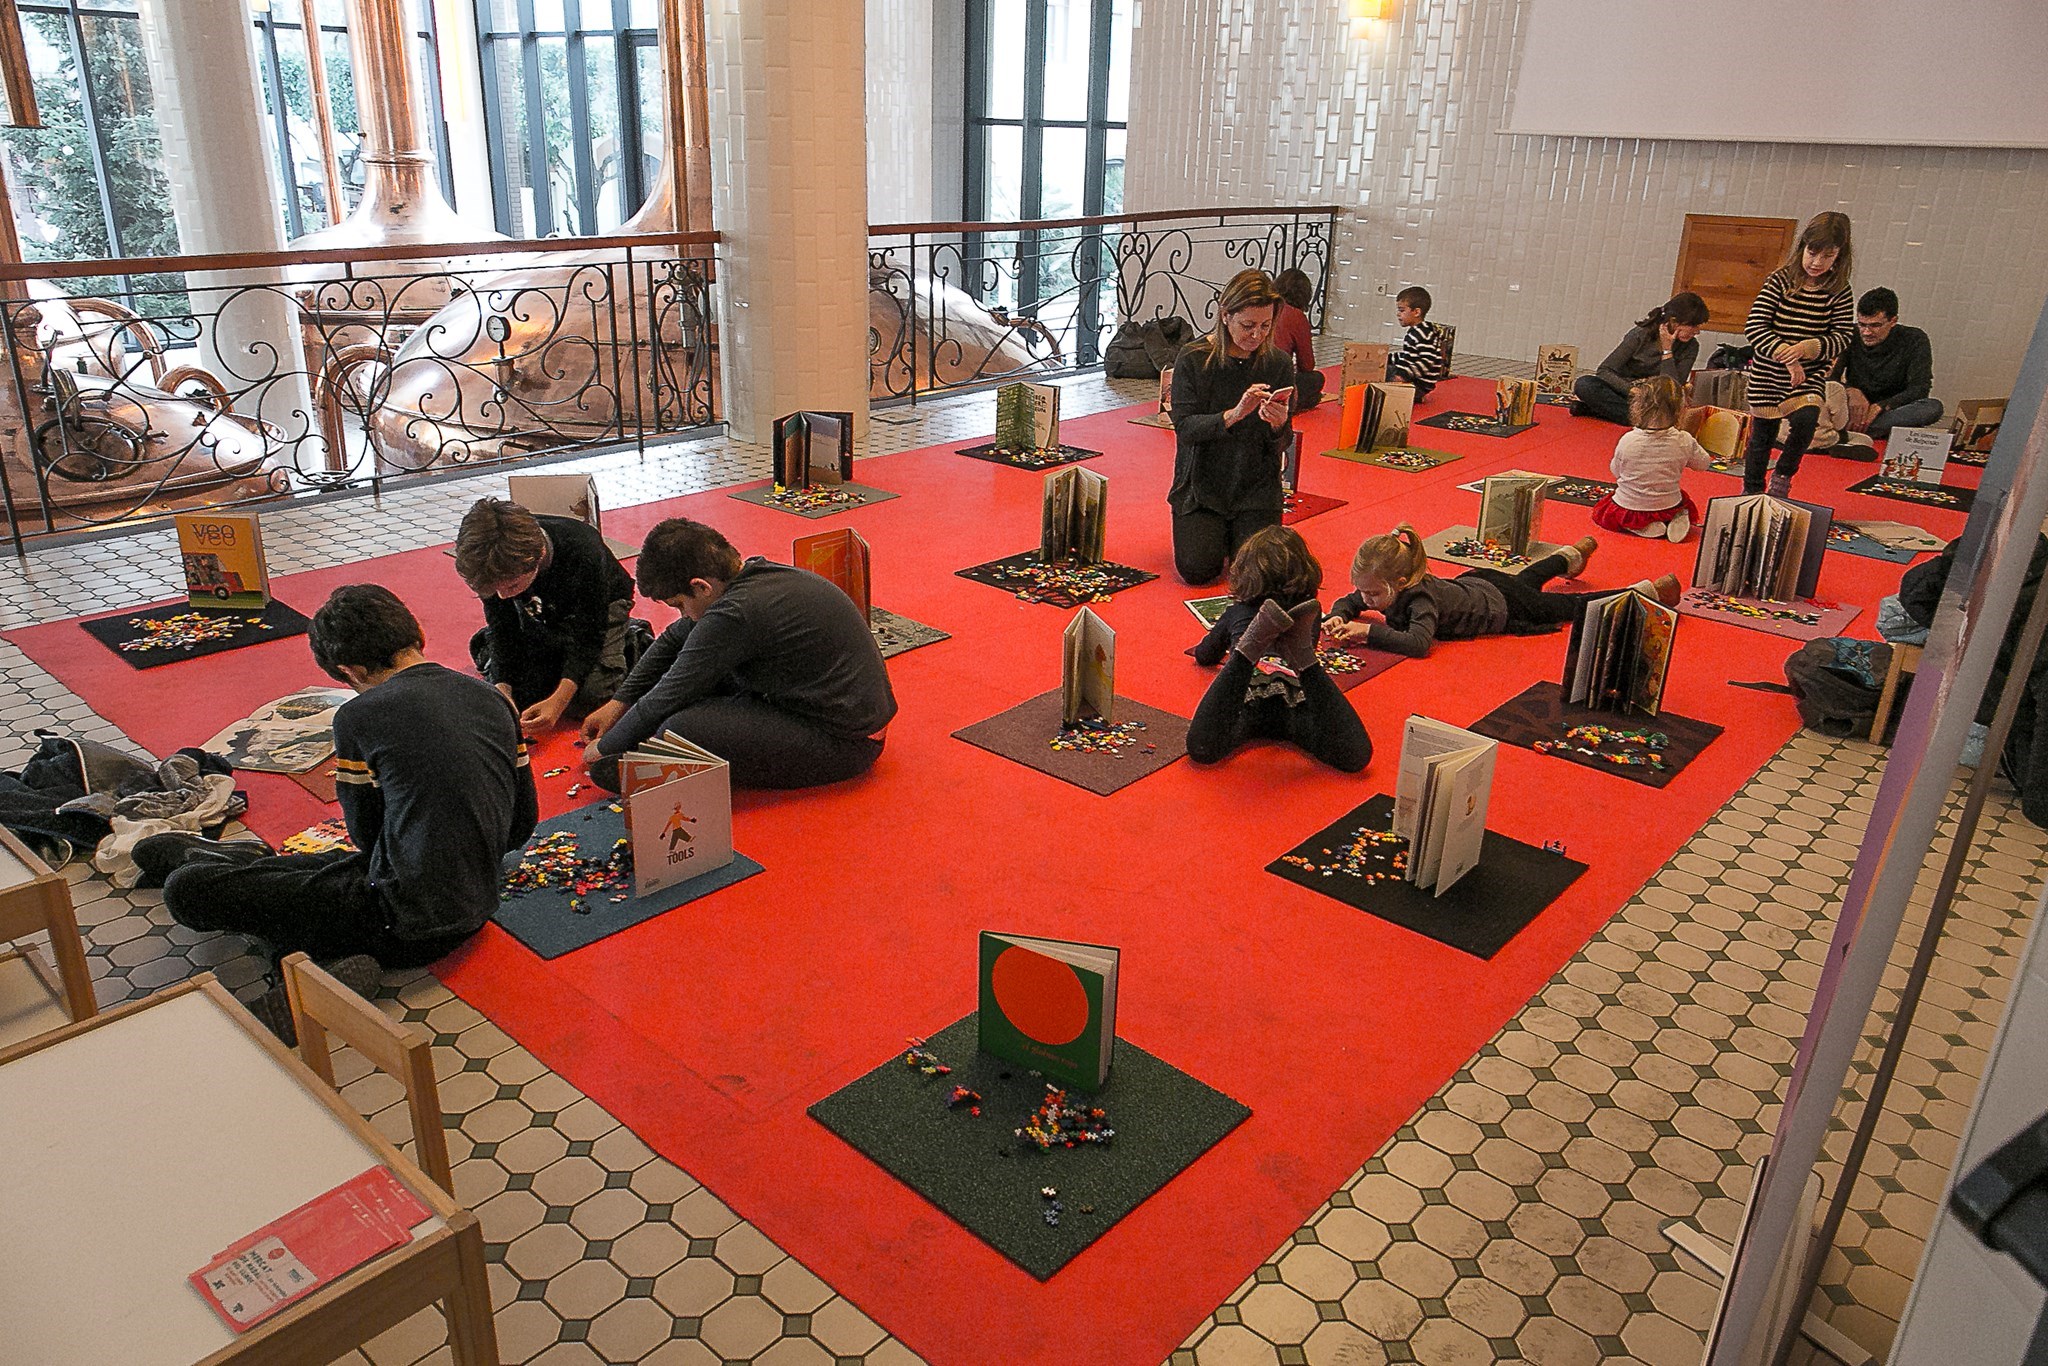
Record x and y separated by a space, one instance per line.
1247 289
1684 310
1415 296
1822 231
499 540
679 550
1396 559
363 625
1295 287
1274 562
1655 403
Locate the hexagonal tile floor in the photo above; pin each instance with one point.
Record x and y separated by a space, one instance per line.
1516 1217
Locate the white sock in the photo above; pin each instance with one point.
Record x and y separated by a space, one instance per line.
1679 527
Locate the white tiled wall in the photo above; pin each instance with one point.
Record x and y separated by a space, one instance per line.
1528 239
789 179
899 82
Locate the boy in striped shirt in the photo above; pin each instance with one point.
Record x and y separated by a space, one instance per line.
1421 361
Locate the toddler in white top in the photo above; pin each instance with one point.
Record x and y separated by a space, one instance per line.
1648 460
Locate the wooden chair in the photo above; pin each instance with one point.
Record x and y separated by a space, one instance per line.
35 900
322 1005
1905 660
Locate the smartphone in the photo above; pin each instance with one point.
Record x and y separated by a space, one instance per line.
1284 395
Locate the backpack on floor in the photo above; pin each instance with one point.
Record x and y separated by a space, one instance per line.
1142 350
1836 683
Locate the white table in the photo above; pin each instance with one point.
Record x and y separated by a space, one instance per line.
142 1142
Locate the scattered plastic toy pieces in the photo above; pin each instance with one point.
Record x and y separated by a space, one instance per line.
1917 493
556 862
961 1095
1493 552
920 1057
188 630
1092 737
1062 585
1060 1121
1622 747
1370 855
815 497
556 772
1759 611
1411 460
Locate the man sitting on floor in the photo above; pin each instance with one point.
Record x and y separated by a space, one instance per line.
771 668
1888 369
434 785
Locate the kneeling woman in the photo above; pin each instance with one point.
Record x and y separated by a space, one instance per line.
1232 392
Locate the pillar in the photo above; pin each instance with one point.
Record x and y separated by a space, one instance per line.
789 195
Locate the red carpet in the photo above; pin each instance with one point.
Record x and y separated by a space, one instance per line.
710 1029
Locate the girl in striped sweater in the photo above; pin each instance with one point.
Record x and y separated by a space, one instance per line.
1802 321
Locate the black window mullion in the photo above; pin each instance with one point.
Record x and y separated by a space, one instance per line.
537 178
579 115
437 113
494 123
280 117
88 107
1091 254
974 176
1031 177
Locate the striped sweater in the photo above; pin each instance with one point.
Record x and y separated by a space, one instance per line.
1421 356
1782 316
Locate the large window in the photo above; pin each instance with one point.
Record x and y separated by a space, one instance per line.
281 55
1048 89
1047 92
90 182
573 105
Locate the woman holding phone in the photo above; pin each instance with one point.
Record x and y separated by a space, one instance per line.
1233 393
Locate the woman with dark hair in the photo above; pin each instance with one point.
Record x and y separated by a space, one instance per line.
1802 321
1232 393
1666 342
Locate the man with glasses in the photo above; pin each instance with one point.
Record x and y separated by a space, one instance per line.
1888 370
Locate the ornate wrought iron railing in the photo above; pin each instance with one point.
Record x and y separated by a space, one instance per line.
237 379
962 305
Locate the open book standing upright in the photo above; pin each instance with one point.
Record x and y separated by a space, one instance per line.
1440 800
813 448
1049 1005
1074 519
1620 654
1511 510
678 800
840 557
223 559
1088 671
1028 418
1757 546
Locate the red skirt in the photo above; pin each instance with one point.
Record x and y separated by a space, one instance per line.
1611 516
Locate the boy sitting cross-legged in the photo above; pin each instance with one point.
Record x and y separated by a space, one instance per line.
434 784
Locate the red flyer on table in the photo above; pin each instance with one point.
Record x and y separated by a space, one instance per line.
323 1239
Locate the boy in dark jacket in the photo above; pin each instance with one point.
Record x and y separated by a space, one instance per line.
434 785
558 628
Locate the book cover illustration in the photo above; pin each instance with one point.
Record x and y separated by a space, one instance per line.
224 565
1440 800
1722 431
1514 402
1557 365
1074 517
1918 453
1511 511
321 837
1028 418
839 557
1620 654
1364 363
1088 672
1209 611
293 734
813 448
1049 1006
1757 546
1976 426
1384 415
678 800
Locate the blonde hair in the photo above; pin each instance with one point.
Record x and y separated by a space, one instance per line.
1822 231
1654 404
1396 559
1247 289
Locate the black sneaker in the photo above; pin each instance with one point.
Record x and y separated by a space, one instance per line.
158 856
358 972
273 1010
